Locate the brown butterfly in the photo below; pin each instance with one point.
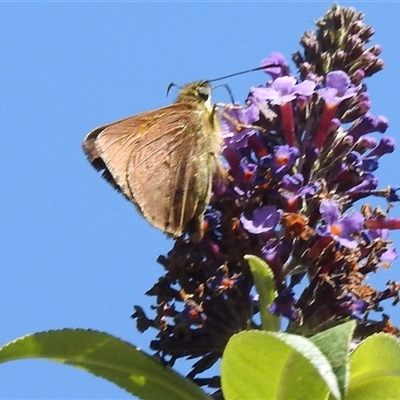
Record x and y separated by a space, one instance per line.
164 161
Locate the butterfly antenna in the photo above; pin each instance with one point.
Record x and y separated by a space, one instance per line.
244 72
170 86
228 89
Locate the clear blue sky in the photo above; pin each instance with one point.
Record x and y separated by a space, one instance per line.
74 253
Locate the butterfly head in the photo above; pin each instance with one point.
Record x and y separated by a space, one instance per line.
196 92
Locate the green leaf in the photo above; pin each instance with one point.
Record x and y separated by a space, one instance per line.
265 286
108 357
375 368
384 388
335 343
270 365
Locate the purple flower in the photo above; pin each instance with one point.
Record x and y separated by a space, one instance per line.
284 157
212 219
354 159
337 88
381 124
358 76
233 119
292 183
385 146
282 90
236 141
284 304
364 101
338 227
368 124
369 163
190 315
391 253
275 65
365 143
293 187
235 146
392 195
264 220
222 280
367 185
246 173
355 308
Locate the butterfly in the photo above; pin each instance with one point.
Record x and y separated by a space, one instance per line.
164 160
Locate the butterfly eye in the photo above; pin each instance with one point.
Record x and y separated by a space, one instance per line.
204 92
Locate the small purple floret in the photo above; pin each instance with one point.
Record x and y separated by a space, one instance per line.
264 220
338 227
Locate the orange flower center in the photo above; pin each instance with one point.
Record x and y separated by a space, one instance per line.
282 160
336 230
247 175
193 314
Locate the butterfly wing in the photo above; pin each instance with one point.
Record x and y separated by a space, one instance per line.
109 147
163 161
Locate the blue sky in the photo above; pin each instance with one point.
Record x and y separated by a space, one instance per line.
74 252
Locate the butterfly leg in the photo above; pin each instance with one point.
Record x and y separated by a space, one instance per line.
239 126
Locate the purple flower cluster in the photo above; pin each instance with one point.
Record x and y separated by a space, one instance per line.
300 154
